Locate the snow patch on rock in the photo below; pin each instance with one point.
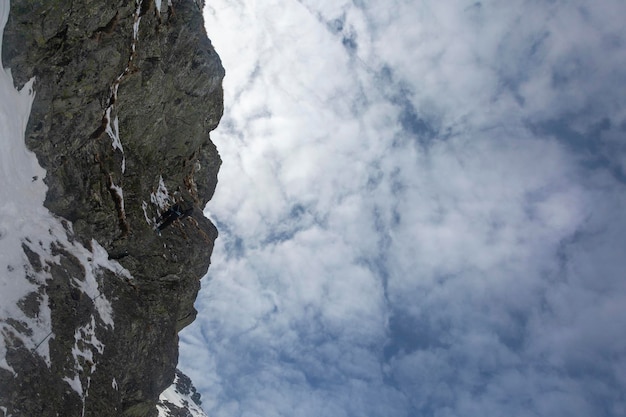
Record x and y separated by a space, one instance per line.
176 396
161 197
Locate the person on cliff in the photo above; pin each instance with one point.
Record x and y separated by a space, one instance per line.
176 212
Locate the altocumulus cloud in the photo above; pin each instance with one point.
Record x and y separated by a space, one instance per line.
422 211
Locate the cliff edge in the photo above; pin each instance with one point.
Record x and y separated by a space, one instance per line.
125 95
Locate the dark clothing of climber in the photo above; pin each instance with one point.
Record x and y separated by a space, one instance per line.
176 212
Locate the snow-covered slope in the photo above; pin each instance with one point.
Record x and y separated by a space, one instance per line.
21 216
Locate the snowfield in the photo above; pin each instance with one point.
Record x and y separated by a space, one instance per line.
23 219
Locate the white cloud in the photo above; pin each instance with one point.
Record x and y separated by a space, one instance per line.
420 213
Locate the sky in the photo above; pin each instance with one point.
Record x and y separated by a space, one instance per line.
422 211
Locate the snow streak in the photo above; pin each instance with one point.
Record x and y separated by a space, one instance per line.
85 343
110 119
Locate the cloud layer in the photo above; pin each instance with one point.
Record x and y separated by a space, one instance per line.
421 211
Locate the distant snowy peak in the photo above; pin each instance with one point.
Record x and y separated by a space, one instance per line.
181 399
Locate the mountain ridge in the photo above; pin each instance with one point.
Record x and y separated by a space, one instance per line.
125 95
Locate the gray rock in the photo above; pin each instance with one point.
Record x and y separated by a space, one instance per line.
163 86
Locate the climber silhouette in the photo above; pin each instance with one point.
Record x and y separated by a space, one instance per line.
176 212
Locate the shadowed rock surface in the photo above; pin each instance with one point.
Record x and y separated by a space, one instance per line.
121 123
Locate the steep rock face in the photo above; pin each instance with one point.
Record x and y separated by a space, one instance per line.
126 94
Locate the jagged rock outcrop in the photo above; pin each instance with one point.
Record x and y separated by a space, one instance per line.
126 95
181 399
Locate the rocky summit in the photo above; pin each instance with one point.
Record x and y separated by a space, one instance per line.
124 95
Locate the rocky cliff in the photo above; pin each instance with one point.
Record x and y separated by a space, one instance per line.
126 93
